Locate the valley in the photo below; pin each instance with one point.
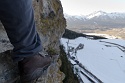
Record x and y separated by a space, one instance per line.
117 32
96 61
98 22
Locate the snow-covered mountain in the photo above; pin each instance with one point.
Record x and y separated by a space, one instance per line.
102 14
97 61
75 17
98 14
96 20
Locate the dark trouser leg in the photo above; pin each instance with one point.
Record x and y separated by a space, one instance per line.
18 19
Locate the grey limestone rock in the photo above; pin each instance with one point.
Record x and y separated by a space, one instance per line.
50 24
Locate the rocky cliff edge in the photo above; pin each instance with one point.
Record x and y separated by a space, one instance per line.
50 24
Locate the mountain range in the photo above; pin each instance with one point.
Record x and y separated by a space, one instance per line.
96 20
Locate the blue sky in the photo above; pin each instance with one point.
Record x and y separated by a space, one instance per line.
84 7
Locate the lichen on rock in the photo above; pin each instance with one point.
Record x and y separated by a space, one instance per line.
51 25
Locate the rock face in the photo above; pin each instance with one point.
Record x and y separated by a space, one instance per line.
51 24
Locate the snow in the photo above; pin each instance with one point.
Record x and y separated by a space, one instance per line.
75 17
103 58
102 35
95 14
112 15
115 15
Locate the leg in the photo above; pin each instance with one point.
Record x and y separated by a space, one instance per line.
18 20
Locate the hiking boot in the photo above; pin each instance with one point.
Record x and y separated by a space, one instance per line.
33 67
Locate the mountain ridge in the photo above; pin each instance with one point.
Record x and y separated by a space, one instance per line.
96 14
96 21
